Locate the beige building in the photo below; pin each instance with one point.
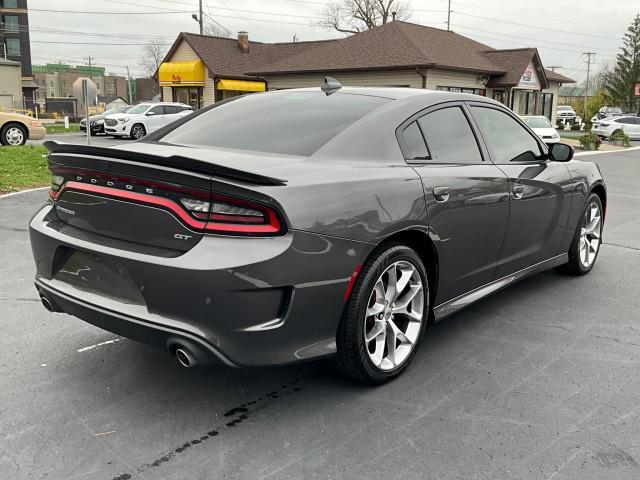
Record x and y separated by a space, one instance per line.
10 85
201 70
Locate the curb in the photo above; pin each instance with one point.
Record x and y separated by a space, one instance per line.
598 152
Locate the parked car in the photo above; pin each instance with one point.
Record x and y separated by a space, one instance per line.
542 127
16 129
144 119
566 112
605 127
298 224
607 112
97 121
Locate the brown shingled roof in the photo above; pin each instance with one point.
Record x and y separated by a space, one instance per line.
393 45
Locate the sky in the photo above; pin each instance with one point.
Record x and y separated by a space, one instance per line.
114 37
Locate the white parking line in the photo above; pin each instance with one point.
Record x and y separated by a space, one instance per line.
21 191
91 347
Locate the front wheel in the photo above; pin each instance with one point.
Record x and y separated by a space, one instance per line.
13 134
138 131
587 239
387 312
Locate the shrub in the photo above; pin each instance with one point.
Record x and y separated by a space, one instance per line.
619 134
590 139
575 126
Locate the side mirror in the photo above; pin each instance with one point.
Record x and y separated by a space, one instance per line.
150 114
560 152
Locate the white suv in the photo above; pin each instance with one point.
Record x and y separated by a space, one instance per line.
144 118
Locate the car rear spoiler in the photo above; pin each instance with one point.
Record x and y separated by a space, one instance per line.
175 161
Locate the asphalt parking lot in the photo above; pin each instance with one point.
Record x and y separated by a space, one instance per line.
81 138
541 381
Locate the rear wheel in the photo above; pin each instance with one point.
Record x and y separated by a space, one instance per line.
13 134
387 312
138 131
587 239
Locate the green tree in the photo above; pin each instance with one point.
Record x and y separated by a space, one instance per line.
626 73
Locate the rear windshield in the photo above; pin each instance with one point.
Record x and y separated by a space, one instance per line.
290 123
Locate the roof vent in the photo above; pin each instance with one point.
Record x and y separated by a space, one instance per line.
330 85
243 42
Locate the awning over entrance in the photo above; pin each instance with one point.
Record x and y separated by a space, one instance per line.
241 85
189 73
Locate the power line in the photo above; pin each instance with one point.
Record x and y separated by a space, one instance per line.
537 27
83 12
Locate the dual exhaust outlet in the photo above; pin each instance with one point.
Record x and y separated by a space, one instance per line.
183 355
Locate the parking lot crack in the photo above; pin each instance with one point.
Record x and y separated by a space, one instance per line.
233 418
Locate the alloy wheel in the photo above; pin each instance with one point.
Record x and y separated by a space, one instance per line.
590 233
14 136
137 132
394 315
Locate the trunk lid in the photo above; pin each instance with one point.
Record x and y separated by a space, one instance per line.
155 195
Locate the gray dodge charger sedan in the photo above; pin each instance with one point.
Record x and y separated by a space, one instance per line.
292 225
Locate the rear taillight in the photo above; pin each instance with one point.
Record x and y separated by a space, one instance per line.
199 210
233 215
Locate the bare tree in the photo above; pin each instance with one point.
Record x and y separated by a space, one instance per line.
353 16
214 29
152 56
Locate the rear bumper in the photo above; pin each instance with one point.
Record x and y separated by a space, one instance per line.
124 325
241 301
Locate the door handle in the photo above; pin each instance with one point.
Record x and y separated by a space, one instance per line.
441 193
518 191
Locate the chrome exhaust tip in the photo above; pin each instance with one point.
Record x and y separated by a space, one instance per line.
46 303
185 358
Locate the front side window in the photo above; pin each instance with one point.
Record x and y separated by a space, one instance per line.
508 140
285 122
626 120
13 46
449 136
157 110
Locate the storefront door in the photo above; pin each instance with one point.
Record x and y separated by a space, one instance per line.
188 95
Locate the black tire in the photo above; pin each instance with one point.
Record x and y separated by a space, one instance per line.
138 127
353 357
575 266
6 132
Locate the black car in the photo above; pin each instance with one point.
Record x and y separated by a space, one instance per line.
97 121
292 225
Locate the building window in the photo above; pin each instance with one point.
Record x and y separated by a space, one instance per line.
546 105
10 3
474 91
11 24
13 46
524 102
188 95
500 96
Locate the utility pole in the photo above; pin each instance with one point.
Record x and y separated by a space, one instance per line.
449 17
200 19
89 59
586 88
129 84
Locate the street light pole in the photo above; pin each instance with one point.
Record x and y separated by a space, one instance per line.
200 19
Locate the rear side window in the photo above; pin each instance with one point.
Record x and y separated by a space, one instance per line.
449 136
414 143
508 140
172 109
291 123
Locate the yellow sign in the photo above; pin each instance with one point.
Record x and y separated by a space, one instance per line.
241 85
188 73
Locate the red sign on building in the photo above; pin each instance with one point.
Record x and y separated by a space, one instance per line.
637 90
